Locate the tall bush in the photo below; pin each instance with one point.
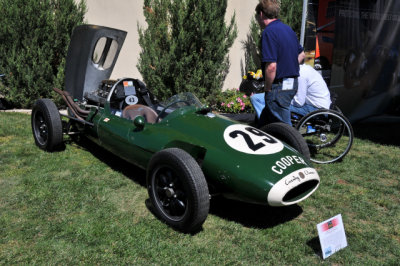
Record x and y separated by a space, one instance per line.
252 48
34 41
185 46
290 14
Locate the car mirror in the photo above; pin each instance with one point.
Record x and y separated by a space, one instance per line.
139 121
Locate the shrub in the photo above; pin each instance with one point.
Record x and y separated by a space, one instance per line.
291 14
252 48
185 46
34 41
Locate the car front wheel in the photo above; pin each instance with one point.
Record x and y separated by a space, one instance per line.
178 190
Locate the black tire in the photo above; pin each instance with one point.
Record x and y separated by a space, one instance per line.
178 190
289 135
46 125
331 135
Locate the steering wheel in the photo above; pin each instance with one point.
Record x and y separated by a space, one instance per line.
169 105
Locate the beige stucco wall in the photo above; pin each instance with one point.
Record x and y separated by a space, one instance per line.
126 14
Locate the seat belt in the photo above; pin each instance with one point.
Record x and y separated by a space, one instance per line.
145 93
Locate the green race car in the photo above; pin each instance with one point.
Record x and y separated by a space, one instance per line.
188 151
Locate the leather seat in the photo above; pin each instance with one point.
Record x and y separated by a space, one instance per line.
132 111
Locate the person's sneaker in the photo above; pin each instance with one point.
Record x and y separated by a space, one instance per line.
310 129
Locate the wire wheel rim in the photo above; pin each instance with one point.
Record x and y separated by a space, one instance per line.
342 129
41 128
169 193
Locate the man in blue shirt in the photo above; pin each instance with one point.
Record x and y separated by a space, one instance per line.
281 54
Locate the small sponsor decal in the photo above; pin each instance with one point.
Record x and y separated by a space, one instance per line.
292 179
251 140
298 177
310 172
302 176
128 83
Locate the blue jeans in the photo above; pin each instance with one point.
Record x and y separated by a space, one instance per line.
277 104
258 102
303 110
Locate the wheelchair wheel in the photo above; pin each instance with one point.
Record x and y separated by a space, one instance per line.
328 134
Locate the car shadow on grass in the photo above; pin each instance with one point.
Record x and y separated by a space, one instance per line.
131 171
253 215
249 215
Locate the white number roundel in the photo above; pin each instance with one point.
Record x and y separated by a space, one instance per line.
251 140
131 100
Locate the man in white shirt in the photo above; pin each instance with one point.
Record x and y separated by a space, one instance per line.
312 94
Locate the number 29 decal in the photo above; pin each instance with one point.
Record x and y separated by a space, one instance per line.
251 140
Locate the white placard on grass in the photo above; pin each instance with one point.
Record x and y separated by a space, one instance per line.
332 235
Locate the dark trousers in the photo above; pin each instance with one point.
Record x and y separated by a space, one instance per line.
277 104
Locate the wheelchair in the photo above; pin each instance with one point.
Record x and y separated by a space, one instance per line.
327 132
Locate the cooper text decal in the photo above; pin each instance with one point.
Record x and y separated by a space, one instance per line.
285 162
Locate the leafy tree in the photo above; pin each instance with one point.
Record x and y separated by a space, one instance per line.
290 14
185 46
34 41
252 48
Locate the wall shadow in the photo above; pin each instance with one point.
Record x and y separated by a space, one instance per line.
381 133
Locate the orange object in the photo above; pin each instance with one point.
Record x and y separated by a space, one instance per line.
317 54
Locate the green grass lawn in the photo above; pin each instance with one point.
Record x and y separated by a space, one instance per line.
84 205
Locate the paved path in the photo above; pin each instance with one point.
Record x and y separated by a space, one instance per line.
26 111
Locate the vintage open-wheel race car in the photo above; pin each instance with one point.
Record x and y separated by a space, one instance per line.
188 151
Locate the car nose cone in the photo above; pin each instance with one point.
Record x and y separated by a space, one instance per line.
294 187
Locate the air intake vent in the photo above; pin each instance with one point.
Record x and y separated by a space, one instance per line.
300 191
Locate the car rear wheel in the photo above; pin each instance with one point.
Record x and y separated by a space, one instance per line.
178 190
289 135
46 125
